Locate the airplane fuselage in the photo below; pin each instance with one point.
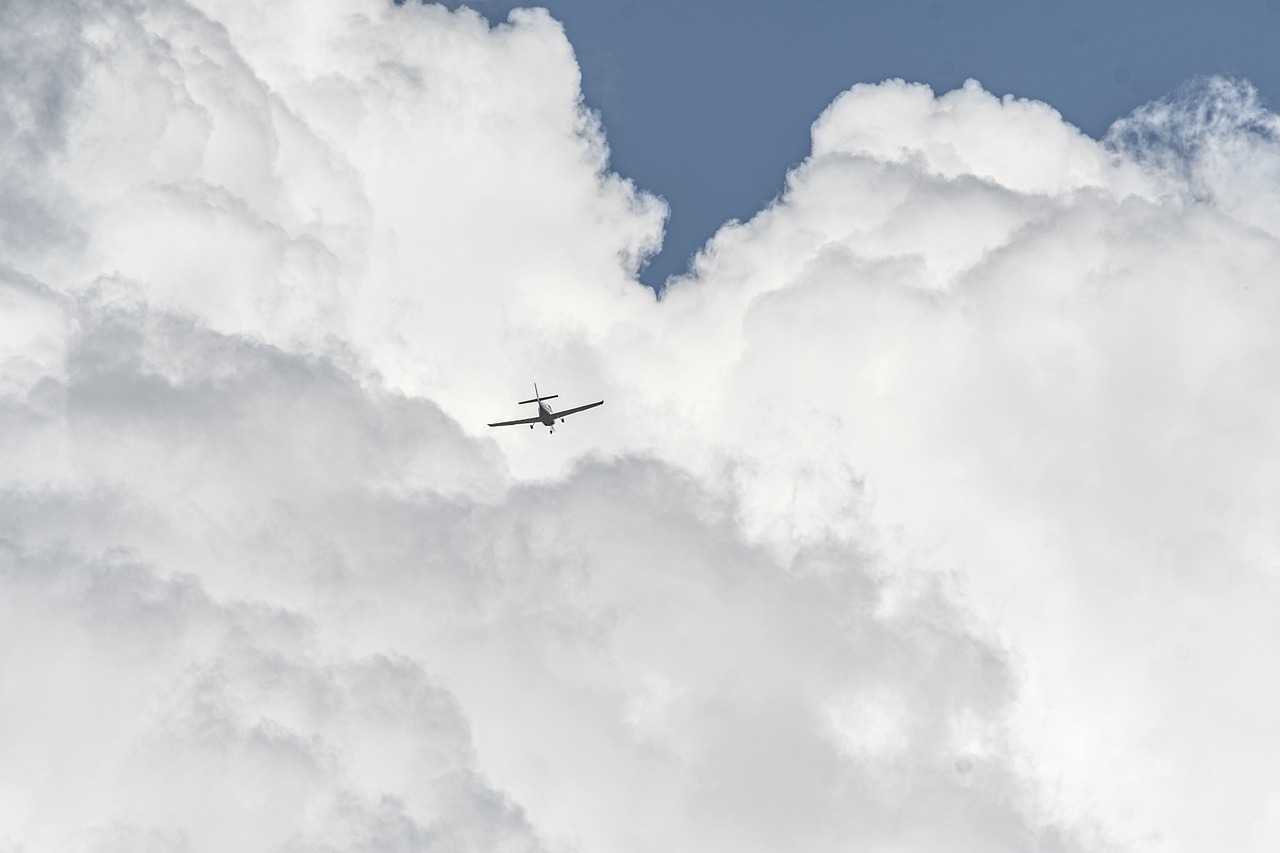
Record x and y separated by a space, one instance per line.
546 414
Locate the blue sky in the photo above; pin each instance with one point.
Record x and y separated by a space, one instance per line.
708 103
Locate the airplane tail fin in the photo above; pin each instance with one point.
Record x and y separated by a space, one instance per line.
537 397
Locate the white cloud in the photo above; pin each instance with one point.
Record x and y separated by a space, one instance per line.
932 511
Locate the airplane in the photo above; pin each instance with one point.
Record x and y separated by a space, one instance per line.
546 416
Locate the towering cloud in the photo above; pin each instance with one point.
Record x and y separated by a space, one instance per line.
933 510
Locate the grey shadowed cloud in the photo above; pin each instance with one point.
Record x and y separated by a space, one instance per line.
932 511
242 644
41 64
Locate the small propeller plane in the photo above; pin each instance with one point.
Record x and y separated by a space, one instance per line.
546 415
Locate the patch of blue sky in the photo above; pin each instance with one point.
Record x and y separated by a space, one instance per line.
708 103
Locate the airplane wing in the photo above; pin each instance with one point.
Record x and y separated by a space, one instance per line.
514 423
579 409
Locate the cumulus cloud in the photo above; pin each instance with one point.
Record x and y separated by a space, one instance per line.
933 510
